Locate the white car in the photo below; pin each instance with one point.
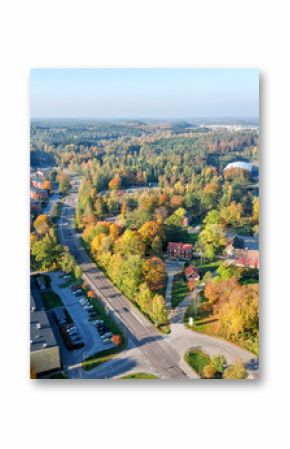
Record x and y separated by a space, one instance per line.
106 341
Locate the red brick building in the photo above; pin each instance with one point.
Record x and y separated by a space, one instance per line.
191 273
179 251
247 258
38 194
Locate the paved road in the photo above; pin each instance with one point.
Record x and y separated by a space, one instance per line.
141 333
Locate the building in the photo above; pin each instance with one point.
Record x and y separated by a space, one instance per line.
179 251
240 164
38 194
247 258
44 350
235 243
191 273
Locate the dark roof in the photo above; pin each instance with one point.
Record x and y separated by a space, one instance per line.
41 335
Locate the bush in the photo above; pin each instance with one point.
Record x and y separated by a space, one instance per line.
209 372
236 371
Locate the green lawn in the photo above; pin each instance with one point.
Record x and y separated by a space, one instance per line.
50 300
140 376
179 290
197 360
203 267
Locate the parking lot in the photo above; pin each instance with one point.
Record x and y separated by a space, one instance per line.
86 327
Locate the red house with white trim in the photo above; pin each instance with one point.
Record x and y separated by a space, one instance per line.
179 251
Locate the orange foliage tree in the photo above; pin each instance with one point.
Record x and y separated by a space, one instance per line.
154 273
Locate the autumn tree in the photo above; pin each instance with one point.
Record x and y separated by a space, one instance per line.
130 243
211 240
149 231
236 371
156 246
154 273
159 311
209 372
231 215
115 183
42 224
144 299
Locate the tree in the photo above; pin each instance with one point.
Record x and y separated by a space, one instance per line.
236 371
154 273
176 218
78 272
115 183
97 242
116 340
42 224
218 362
231 215
176 201
144 299
209 372
67 262
130 243
47 185
149 231
156 246
211 240
255 216
159 311
47 251
115 231
63 183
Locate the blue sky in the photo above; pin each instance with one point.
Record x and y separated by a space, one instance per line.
144 93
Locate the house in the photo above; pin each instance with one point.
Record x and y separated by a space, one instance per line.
179 251
38 182
247 258
235 243
191 273
38 194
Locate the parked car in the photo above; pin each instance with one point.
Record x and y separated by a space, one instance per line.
78 292
107 335
106 340
66 277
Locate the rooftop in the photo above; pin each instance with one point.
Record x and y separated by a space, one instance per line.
41 335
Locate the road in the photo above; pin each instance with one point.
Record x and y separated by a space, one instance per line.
165 361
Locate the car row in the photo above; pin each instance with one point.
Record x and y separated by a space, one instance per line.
103 331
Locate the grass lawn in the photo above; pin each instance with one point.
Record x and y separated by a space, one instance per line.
50 300
140 376
203 267
104 356
197 360
179 290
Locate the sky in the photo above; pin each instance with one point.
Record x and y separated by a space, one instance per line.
144 93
